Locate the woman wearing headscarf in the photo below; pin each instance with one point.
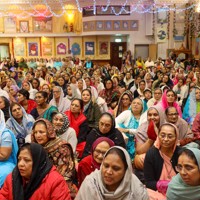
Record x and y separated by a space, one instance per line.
61 102
91 110
4 106
13 93
124 102
59 151
192 106
186 184
147 133
71 92
20 123
63 130
8 150
115 179
161 160
107 129
91 162
127 123
34 177
28 86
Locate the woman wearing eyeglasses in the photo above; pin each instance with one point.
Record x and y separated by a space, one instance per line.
160 161
186 184
93 161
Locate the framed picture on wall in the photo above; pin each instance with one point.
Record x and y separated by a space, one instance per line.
91 26
162 17
10 25
32 49
85 26
103 48
125 25
23 26
134 25
42 24
116 25
47 49
89 48
19 49
76 49
99 26
108 25
61 49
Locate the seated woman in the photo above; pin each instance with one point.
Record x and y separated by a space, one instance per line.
186 184
91 162
46 88
128 121
114 180
169 99
107 129
8 150
27 86
90 110
20 123
34 177
161 159
71 92
124 103
192 106
4 106
145 134
59 151
78 122
25 102
61 102
13 93
61 125
157 95
43 109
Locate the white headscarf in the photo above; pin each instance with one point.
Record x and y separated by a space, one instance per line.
130 187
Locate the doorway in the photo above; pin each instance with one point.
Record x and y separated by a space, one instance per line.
116 53
142 50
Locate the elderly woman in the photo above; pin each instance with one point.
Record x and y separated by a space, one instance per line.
91 162
107 129
128 121
186 184
13 93
61 102
61 125
114 180
59 151
34 177
8 150
71 92
161 159
20 123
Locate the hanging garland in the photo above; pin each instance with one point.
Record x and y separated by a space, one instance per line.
168 24
154 22
175 32
186 21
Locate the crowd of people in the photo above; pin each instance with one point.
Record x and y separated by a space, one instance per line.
71 129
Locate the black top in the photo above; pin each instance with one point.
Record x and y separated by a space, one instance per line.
153 165
115 136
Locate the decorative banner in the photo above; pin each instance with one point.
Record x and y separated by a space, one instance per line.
47 49
10 25
76 50
161 35
33 49
89 48
42 24
61 49
103 48
19 49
